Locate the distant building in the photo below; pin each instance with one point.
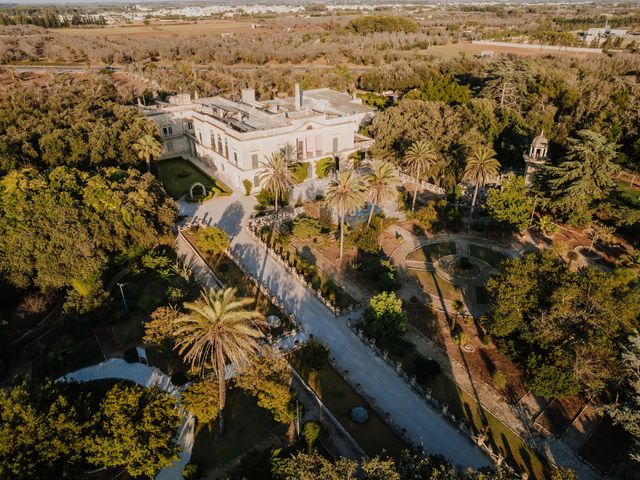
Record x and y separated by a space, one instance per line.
599 35
234 137
535 158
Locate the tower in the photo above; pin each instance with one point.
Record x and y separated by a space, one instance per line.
535 158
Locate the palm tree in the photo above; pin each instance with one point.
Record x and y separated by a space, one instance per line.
419 159
218 328
276 176
481 167
345 193
381 184
147 148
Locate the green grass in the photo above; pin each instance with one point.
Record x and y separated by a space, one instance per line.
178 175
374 436
246 424
434 284
492 257
432 252
629 196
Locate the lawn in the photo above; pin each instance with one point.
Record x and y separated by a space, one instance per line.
178 175
629 196
246 425
432 252
374 436
433 284
492 257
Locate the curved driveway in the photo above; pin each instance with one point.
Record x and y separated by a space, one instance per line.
377 379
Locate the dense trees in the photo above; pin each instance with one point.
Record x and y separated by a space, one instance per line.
59 430
73 221
75 125
564 327
584 176
510 204
137 429
410 466
383 23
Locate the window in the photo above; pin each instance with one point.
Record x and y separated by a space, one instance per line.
256 181
235 158
300 149
169 147
189 125
335 144
219 144
212 139
200 137
254 161
226 149
168 130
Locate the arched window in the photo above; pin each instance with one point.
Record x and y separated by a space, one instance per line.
219 144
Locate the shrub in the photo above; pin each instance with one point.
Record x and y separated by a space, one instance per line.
325 218
324 167
304 227
248 186
426 216
310 432
190 471
424 369
213 240
384 316
266 198
387 280
365 237
299 172
314 355
499 380
201 398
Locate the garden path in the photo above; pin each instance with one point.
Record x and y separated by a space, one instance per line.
377 380
119 369
518 418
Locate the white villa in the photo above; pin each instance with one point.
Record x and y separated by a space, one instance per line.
234 137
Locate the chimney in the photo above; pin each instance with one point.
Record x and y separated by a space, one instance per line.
248 96
298 97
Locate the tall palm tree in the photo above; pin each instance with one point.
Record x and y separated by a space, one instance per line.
419 159
147 148
345 193
275 177
381 184
481 167
218 328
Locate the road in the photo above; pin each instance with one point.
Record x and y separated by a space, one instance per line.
377 379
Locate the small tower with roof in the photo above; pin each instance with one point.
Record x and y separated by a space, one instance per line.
535 158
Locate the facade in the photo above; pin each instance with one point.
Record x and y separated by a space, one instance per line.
234 137
535 158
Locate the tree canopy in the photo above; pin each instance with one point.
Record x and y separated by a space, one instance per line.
565 327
